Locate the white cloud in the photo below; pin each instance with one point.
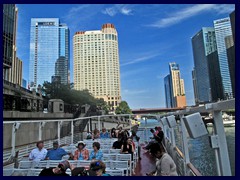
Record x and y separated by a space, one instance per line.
116 9
133 92
179 16
110 11
141 59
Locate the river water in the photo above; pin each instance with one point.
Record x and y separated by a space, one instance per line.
202 156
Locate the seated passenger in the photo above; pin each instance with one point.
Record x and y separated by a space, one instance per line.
165 166
56 153
99 168
117 144
96 153
128 147
60 170
104 134
113 133
81 153
38 153
96 134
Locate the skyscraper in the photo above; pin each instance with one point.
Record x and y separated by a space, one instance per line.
168 94
230 45
222 29
173 82
10 13
49 40
96 63
203 43
15 72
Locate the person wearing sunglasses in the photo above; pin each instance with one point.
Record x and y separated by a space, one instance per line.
60 170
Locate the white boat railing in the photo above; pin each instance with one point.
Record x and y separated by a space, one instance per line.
166 121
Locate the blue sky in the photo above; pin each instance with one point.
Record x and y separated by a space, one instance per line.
150 36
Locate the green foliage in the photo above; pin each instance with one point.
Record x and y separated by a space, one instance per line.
71 96
123 108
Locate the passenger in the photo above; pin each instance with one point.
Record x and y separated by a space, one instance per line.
96 134
99 168
96 153
155 139
96 168
113 133
119 131
56 153
128 147
38 153
89 135
117 144
160 134
104 134
81 153
60 170
136 139
165 165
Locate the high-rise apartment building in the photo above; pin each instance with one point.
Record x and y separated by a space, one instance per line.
96 63
173 82
203 44
10 13
49 41
223 29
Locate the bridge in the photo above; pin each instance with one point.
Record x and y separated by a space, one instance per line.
155 110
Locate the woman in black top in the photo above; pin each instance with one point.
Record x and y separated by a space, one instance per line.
113 133
127 147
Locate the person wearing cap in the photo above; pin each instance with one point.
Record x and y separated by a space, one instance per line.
104 134
96 153
60 170
56 153
39 153
81 153
99 168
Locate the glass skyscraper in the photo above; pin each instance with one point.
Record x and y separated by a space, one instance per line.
49 40
203 44
10 14
223 29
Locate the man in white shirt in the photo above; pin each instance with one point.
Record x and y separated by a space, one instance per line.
38 153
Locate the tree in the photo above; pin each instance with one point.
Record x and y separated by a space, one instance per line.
123 108
71 96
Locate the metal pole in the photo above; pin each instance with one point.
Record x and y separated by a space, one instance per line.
72 131
222 150
130 122
184 145
40 131
99 125
13 139
59 130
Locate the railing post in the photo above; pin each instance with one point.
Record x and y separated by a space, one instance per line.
41 125
15 127
130 122
184 145
99 125
59 131
72 131
222 150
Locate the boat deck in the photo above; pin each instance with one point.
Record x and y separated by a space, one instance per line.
145 165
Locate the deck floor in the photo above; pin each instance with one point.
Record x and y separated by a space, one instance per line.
145 165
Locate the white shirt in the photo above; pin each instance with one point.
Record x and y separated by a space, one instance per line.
37 155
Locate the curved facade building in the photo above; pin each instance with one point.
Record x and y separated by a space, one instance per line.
96 63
